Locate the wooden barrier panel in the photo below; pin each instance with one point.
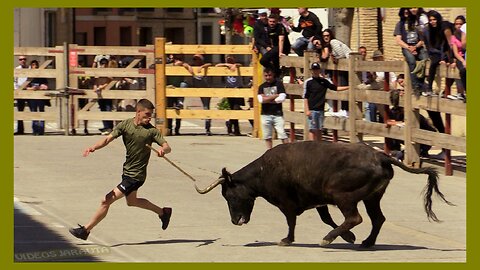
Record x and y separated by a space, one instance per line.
355 126
56 80
163 92
138 54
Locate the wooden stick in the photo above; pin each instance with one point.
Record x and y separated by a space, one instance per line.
171 163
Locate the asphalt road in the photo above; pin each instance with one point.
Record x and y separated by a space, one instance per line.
55 188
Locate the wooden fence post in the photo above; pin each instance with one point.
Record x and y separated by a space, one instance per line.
256 79
160 96
412 122
354 109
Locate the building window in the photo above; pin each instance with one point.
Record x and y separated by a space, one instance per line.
99 36
178 10
145 9
126 36
176 35
145 36
101 10
50 28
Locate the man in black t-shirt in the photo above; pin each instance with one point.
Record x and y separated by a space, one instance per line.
276 45
314 91
271 94
310 26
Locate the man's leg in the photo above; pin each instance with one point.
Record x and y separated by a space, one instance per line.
133 200
110 198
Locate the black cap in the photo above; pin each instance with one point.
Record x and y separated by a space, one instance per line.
315 65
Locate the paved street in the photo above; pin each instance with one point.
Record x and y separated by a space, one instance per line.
56 188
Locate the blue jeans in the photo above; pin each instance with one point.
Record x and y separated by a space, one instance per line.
412 62
106 106
315 120
272 121
37 105
301 44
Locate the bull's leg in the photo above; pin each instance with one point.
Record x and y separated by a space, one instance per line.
291 221
327 219
376 216
352 218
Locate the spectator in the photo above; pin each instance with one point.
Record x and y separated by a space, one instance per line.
276 46
260 33
328 47
37 105
409 36
233 127
84 82
175 102
271 94
99 86
459 59
18 84
437 38
200 80
310 26
420 17
397 116
314 93
98 57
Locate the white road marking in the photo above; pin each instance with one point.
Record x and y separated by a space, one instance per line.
24 208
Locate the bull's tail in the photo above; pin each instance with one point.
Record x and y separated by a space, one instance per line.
431 187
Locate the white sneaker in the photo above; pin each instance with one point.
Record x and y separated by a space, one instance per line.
452 97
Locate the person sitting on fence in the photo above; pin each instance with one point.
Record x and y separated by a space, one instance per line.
37 105
260 38
310 26
17 85
277 46
314 91
233 127
459 60
105 105
200 80
409 36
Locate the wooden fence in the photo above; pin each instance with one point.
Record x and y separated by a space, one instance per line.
138 54
51 66
163 71
411 133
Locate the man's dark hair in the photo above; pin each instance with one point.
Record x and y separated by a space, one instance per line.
145 103
268 70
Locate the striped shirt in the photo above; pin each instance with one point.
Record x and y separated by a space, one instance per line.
339 49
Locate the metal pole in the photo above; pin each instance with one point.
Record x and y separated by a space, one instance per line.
65 68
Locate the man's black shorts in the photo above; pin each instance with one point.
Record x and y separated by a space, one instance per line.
128 185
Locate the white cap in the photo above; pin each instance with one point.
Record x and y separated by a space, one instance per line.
263 10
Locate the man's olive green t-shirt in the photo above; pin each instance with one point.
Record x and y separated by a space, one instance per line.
135 139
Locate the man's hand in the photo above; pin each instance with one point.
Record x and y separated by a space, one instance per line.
88 151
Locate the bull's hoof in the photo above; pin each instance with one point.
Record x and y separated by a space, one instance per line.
349 237
285 242
325 242
367 244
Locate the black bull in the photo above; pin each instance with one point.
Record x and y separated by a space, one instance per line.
304 175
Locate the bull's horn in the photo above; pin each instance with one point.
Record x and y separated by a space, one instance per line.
212 186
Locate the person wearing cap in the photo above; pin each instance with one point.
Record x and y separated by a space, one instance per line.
260 33
310 26
314 91
201 81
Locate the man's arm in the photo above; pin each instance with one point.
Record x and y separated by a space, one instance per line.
100 144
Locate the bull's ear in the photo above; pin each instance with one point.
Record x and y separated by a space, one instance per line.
226 175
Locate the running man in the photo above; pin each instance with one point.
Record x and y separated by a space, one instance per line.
137 132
